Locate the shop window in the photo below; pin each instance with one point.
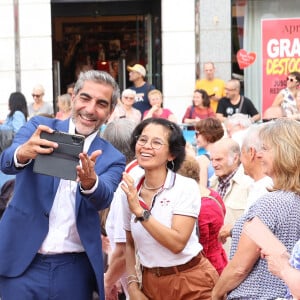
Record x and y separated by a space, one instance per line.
81 44
247 16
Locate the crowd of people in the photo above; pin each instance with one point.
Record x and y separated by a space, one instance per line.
148 217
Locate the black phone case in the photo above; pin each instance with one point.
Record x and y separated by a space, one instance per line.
63 160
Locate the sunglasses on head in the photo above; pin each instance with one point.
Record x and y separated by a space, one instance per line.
291 79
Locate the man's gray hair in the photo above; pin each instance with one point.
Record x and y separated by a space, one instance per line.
231 147
233 151
98 77
118 133
239 119
251 139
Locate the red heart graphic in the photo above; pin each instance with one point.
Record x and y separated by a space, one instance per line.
245 59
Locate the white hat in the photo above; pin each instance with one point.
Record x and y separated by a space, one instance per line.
138 68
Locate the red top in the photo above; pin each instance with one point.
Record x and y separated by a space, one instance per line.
164 115
202 113
210 220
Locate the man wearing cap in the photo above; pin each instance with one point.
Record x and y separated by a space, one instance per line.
137 74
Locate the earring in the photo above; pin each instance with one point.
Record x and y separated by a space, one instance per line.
171 162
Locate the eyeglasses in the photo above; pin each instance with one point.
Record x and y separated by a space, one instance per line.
154 143
291 79
37 96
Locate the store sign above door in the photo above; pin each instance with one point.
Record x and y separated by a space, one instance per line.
245 59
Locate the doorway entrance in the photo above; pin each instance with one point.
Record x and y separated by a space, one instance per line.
109 36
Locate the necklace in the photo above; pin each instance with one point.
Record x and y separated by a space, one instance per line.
145 186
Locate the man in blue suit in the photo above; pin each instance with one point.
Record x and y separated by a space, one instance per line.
50 244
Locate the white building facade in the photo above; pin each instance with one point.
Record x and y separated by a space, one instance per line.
26 43
192 32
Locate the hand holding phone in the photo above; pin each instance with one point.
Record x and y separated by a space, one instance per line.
63 160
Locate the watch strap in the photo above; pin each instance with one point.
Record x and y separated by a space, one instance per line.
144 217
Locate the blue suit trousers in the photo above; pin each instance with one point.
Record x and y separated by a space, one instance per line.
67 276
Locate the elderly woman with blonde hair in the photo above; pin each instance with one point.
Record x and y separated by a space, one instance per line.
39 106
246 275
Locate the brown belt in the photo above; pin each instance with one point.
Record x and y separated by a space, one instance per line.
164 271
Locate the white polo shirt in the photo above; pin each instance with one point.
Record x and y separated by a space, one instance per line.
179 196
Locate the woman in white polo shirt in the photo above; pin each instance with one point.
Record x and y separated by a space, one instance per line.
159 216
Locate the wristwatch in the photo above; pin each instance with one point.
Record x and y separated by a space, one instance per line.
144 217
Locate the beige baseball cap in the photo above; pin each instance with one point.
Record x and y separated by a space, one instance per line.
137 68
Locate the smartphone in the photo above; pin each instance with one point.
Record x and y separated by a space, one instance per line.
63 160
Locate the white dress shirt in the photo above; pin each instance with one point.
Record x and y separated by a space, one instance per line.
63 236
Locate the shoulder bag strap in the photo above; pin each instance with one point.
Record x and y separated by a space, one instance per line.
191 112
219 204
241 104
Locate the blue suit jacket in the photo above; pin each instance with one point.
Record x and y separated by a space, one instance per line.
25 222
